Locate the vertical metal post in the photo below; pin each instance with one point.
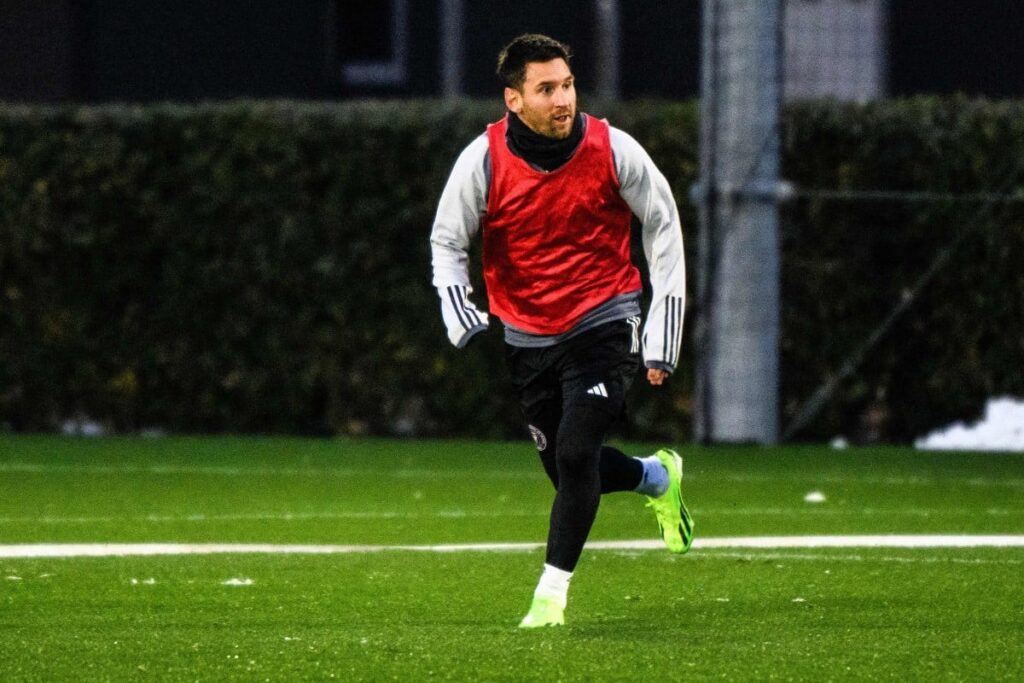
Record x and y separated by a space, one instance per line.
608 49
706 198
738 331
453 25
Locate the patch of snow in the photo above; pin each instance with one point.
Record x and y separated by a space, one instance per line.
82 426
1000 429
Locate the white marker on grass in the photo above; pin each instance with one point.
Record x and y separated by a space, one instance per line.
237 582
814 497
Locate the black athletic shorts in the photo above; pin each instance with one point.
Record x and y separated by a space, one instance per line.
597 365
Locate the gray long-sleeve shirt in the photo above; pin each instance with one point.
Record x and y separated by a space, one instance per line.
464 202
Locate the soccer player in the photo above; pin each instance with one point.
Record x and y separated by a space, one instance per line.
553 191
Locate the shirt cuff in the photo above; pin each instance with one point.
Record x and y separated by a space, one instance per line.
659 365
470 333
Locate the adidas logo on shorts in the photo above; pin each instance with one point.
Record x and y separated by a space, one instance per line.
598 390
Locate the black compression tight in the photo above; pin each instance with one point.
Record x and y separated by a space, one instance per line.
581 469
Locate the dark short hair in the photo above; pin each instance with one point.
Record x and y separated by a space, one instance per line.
529 47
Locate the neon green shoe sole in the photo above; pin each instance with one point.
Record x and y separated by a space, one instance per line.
674 520
543 612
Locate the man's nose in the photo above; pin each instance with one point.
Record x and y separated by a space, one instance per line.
561 98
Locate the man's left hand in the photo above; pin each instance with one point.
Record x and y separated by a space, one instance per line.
656 376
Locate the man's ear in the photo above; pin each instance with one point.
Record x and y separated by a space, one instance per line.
513 100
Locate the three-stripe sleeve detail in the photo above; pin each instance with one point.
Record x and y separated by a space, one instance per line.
634 322
672 334
466 314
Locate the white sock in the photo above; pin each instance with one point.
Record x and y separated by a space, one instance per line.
554 583
654 483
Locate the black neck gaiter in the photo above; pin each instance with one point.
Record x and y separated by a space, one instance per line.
538 150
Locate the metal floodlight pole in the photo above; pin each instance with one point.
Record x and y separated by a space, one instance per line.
705 196
737 332
453 26
608 48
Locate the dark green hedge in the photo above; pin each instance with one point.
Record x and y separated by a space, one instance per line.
847 264
264 267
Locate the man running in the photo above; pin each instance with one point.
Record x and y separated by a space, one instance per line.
553 192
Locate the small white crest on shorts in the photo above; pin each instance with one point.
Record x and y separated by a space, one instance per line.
539 439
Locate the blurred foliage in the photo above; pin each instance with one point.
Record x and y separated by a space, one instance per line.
265 267
847 264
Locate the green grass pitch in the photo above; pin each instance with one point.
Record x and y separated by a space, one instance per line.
945 614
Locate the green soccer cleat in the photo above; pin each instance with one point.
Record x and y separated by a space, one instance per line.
674 519
544 611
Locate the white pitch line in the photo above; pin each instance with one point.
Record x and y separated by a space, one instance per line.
761 542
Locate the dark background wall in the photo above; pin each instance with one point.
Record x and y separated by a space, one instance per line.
491 24
97 50
195 49
188 50
37 50
660 49
947 46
